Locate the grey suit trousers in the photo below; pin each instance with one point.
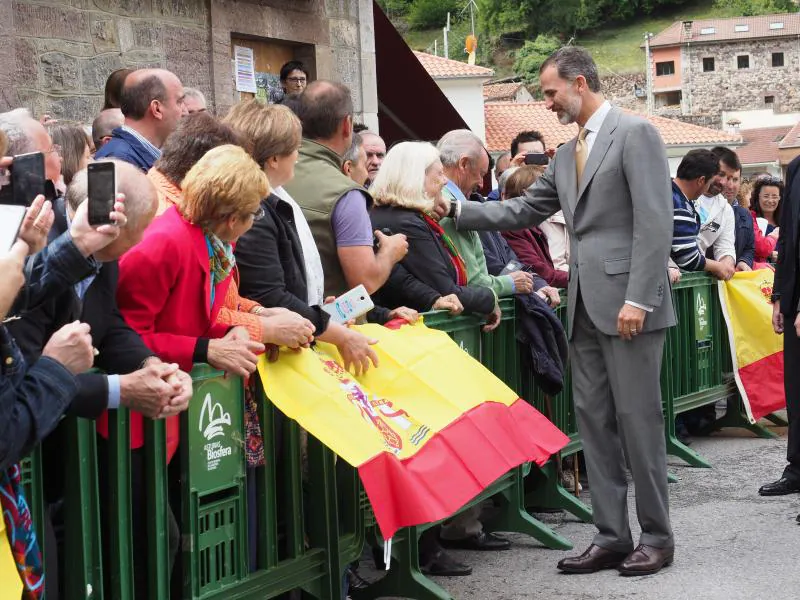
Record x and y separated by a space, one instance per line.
617 392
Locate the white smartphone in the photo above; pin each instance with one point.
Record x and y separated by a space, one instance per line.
350 305
11 217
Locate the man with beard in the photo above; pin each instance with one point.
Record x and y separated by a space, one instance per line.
612 183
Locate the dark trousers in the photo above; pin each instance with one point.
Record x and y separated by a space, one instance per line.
791 381
140 513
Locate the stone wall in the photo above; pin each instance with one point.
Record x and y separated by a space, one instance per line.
731 88
58 54
619 89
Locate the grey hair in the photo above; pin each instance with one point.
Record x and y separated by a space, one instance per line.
15 124
571 61
194 93
457 144
140 195
501 183
355 148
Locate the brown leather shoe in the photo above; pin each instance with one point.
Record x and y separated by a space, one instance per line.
646 560
594 559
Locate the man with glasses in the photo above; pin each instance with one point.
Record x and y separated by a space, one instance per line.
294 78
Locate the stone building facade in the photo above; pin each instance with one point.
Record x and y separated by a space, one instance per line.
57 54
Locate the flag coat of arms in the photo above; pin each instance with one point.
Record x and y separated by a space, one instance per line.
756 350
428 430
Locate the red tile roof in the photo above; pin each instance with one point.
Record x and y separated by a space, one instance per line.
761 145
500 91
792 139
439 67
504 120
764 26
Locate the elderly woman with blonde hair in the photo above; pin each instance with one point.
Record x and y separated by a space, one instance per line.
404 190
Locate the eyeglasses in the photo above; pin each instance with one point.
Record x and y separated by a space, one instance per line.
296 80
259 214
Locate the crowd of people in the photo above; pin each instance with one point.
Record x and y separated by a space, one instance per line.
231 232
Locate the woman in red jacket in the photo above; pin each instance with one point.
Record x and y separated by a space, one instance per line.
530 245
765 204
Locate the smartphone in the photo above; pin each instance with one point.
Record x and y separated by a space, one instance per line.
102 184
26 180
535 158
11 216
350 305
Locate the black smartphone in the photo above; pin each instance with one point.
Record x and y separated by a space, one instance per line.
535 158
102 184
26 180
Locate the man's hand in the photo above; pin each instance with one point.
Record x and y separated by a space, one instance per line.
233 354
441 207
356 352
674 275
36 224
777 317
630 321
519 160
395 246
11 265
288 329
523 282
148 390
450 303
720 270
493 319
90 239
743 266
549 293
181 382
409 315
72 347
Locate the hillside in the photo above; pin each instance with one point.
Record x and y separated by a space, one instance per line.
614 46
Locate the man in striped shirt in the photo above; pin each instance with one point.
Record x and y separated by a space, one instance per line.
694 176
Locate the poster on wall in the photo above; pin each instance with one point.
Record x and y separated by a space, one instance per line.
245 70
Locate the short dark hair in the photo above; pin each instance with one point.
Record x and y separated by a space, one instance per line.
114 85
727 157
359 127
755 205
355 148
524 137
136 98
292 65
321 107
571 61
196 134
698 163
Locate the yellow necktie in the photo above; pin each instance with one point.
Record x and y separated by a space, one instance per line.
581 153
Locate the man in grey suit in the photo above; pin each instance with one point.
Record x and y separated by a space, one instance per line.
612 183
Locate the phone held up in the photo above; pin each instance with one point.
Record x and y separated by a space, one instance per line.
536 158
350 305
25 181
102 184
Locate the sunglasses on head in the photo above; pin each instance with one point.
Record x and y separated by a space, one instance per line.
769 180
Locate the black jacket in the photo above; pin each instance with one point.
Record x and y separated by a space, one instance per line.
121 349
271 264
432 272
787 281
745 236
544 342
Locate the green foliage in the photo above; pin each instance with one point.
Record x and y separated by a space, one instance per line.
750 8
431 13
531 56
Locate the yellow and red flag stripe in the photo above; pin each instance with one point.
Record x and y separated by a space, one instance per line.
756 350
428 430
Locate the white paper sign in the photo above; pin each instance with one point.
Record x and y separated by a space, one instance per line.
245 69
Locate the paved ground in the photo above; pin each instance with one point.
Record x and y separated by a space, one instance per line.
731 544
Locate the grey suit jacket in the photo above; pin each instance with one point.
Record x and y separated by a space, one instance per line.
619 219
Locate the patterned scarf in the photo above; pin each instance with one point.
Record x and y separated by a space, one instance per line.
21 534
221 260
452 251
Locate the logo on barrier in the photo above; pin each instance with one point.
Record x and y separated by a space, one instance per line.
701 308
213 418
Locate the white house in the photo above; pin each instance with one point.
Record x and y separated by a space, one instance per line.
463 86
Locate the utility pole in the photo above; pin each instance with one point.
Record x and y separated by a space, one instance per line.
648 73
446 31
436 47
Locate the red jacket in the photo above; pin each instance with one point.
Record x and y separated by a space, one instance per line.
530 246
164 294
765 245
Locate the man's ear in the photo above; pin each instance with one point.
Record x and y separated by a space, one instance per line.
155 109
347 127
347 167
463 163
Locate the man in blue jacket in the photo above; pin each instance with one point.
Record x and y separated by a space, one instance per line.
152 104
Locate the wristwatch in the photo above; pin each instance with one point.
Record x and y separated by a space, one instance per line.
453 208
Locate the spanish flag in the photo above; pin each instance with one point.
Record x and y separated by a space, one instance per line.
757 351
428 430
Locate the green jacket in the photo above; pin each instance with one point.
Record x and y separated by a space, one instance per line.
317 187
469 245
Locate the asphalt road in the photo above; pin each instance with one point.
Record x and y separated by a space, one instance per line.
731 544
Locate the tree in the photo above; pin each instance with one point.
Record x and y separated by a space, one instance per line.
751 8
425 14
531 56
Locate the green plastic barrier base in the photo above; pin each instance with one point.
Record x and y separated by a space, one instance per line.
735 417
